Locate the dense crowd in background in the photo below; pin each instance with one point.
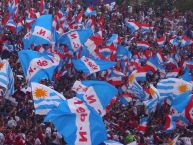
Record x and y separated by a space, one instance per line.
20 126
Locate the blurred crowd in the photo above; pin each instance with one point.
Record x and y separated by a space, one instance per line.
20 126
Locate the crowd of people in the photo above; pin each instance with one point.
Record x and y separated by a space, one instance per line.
19 125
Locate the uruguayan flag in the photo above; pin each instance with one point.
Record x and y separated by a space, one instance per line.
7 79
75 38
45 98
96 94
90 66
78 123
172 87
37 66
134 87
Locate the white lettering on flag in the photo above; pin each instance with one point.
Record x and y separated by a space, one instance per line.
90 64
82 121
43 33
74 40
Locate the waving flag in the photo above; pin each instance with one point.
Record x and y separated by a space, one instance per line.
114 39
7 79
181 101
13 6
189 64
79 17
173 73
141 73
180 119
84 125
19 27
90 66
96 94
74 39
90 11
125 98
42 30
37 66
170 124
145 27
143 125
143 45
161 41
186 41
175 40
152 103
152 64
90 46
115 77
45 98
42 7
123 53
134 26
108 52
27 41
90 24
11 25
134 87
29 21
189 110
187 75
173 86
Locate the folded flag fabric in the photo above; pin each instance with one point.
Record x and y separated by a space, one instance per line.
97 94
90 66
45 98
37 66
78 123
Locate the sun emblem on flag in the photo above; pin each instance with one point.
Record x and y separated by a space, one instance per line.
182 88
131 78
1 66
40 93
151 91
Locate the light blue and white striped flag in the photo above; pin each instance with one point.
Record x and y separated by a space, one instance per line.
172 87
45 98
7 79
